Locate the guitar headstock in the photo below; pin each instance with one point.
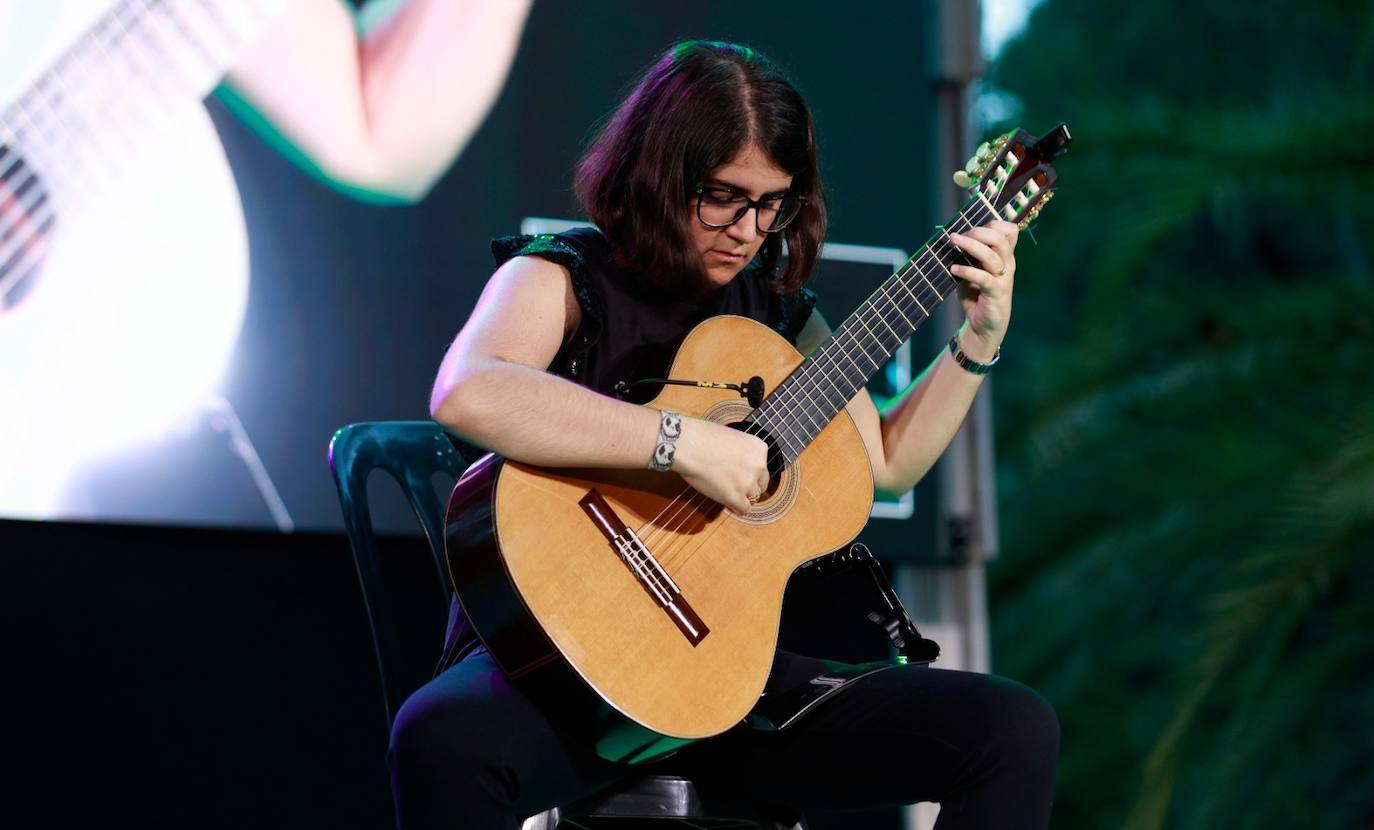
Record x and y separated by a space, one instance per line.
1015 172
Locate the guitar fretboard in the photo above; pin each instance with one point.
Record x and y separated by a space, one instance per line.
139 61
801 406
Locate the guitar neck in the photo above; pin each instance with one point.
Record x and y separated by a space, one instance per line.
801 406
137 63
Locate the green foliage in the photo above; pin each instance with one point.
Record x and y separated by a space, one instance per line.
1187 449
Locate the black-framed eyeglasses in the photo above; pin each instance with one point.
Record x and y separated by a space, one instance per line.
718 207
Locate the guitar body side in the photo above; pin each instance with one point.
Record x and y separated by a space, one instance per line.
480 578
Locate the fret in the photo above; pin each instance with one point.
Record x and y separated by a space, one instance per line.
901 283
43 104
30 130
210 37
867 339
199 34
803 404
805 400
792 437
843 387
881 295
83 111
85 73
896 306
824 374
180 65
152 67
117 70
58 136
871 346
939 296
60 106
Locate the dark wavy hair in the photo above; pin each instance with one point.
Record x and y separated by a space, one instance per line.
692 111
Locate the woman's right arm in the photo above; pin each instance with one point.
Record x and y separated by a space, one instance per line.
493 390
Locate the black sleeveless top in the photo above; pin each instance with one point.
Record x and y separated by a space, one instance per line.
629 333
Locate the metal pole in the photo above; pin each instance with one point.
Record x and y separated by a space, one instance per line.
950 602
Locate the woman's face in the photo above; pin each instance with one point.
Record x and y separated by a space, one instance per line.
725 251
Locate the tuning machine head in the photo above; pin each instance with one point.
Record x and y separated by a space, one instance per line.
1014 176
1026 220
977 164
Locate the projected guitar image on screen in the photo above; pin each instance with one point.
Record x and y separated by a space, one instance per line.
123 256
123 253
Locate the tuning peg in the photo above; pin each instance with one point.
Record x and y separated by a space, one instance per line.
975 167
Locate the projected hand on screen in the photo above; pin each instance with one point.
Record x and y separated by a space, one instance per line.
123 257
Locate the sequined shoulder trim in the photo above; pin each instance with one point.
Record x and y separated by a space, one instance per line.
794 310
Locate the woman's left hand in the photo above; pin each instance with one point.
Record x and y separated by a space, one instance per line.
985 288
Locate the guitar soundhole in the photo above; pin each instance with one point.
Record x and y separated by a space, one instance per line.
27 220
783 485
775 459
776 465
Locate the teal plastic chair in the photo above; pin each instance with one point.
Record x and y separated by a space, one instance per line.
414 453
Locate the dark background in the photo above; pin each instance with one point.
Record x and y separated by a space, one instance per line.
174 677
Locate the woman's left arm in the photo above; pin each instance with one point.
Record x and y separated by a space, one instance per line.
906 438
385 110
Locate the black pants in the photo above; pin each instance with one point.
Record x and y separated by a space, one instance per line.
469 750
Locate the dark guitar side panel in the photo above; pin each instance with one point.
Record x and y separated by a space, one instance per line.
480 579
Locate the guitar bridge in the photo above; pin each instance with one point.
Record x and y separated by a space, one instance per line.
640 561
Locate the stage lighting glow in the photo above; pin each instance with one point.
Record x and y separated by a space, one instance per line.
135 315
1003 20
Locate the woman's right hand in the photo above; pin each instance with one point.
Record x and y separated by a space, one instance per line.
723 464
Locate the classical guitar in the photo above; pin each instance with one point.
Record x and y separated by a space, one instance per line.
123 255
666 605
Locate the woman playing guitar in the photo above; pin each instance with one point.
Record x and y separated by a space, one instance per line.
695 182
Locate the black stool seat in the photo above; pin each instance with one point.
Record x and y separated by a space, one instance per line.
660 801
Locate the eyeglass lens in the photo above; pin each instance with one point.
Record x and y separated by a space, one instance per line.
722 208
